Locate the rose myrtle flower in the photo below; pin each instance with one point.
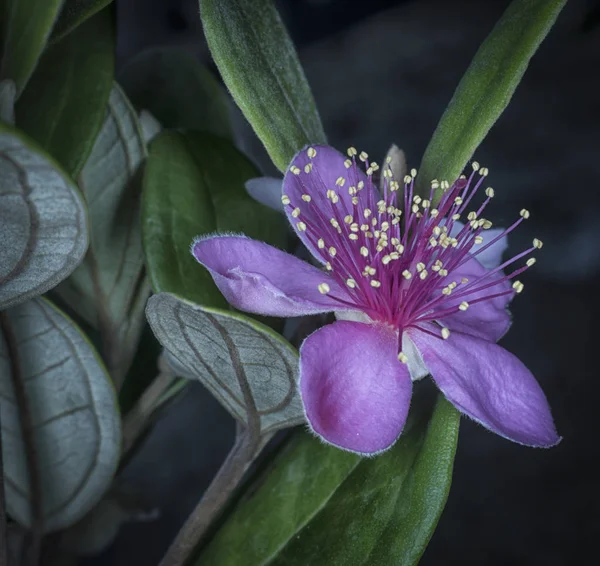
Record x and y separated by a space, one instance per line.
414 292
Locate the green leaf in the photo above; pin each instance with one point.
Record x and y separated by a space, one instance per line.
63 106
47 364
259 65
318 505
249 368
43 223
486 88
74 13
26 28
177 90
105 287
194 185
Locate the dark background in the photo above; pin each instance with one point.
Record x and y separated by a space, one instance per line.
382 72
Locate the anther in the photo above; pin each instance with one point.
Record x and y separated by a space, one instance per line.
524 213
306 198
403 357
311 152
445 333
301 226
285 200
463 306
537 243
530 261
323 288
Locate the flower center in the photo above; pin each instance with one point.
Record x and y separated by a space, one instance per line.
400 257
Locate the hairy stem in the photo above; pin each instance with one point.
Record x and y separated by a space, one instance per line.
33 545
217 494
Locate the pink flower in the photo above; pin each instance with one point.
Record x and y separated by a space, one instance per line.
414 293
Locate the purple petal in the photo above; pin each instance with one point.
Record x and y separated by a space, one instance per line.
326 167
259 278
267 191
356 393
492 256
487 319
490 385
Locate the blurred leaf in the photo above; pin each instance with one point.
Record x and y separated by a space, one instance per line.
26 27
104 288
8 93
249 368
318 505
74 13
259 65
150 126
177 90
193 185
45 359
486 88
43 224
63 106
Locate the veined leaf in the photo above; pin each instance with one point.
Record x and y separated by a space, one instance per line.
43 222
318 505
63 106
486 88
259 65
74 13
193 185
248 367
26 27
177 90
103 287
46 361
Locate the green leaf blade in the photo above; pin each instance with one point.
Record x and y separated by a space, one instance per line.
193 186
74 13
63 106
486 88
26 30
320 505
259 65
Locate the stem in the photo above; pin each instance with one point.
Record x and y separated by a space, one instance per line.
136 420
217 494
3 523
34 543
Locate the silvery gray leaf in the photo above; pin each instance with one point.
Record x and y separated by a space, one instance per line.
150 126
248 367
8 93
73 415
103 286
43 225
